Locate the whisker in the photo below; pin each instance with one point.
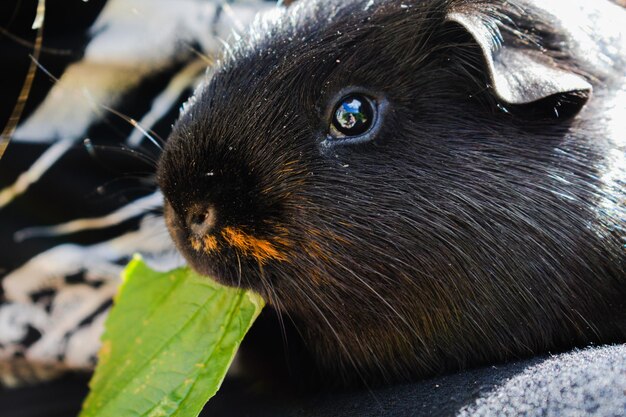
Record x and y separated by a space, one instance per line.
35 61
126 191
165 100
279 310
278 307
124 117
343 347
121 149
25 42
381 298
136 125
139 176
239 264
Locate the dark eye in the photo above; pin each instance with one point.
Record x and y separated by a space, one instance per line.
352 116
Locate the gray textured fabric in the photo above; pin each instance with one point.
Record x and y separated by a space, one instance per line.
581 383
590 382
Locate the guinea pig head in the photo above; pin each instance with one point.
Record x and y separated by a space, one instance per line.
399 179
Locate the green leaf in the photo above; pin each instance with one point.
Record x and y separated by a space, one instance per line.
168 342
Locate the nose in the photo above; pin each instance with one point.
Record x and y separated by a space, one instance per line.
201 219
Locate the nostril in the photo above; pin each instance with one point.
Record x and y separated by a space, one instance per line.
197 219
201 220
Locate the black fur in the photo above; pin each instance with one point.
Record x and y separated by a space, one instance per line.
468 231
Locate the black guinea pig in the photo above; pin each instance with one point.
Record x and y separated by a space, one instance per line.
420 185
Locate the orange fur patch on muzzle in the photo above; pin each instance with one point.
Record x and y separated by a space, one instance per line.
260 249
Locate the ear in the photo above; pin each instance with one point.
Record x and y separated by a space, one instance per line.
522 74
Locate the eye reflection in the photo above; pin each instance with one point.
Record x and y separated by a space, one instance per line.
353 115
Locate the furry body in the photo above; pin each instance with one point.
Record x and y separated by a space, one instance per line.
470 230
